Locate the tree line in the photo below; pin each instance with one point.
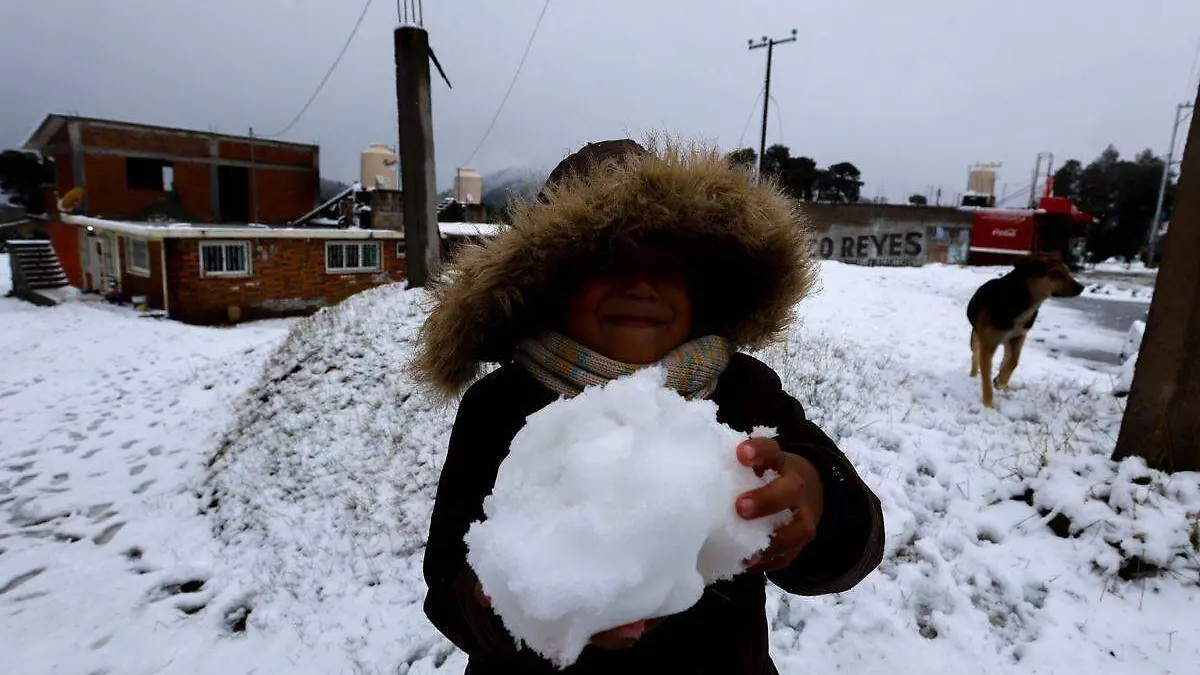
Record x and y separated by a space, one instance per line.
1121 194
801 178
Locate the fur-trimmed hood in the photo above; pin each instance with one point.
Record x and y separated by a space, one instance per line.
745 240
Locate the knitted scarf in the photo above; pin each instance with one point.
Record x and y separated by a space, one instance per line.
566 367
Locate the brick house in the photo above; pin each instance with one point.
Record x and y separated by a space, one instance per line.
211 274
135 172
211 228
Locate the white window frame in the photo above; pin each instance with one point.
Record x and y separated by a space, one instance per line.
221 246
354 270
130 263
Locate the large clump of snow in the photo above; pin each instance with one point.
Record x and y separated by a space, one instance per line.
613 507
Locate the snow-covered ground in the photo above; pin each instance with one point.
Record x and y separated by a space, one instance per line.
1014 545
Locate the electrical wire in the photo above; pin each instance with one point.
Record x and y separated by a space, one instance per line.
746 126
362 15
778 118
1193 74
511 84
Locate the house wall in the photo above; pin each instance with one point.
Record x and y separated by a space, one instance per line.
136 284
889 235
66 241
283 195
286 175
287 277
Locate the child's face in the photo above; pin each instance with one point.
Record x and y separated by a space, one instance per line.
636 311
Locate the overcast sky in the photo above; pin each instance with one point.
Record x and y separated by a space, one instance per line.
911 91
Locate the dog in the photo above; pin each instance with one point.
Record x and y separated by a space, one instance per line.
1003 310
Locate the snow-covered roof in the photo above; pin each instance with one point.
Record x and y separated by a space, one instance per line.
470 229
207 231
158 231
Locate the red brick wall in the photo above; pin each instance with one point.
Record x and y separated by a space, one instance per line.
283 195
193 181
134 284
107 192
144 140
268 154
64 239
287 277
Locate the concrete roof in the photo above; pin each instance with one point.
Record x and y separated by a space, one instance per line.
206 231
49 126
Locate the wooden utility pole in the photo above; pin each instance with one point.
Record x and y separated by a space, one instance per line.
1162 417
417 177
770 45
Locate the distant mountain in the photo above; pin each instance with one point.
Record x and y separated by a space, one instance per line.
501 186
331 188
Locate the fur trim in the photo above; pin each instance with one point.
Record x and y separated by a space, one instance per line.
745 238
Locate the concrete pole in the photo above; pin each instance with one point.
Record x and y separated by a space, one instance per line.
770 45
417 177
1162 418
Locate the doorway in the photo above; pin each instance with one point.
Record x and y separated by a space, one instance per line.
101 262
233 193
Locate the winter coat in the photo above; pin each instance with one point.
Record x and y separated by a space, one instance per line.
726 632
748 247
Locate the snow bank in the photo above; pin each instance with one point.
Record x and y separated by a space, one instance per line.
322 497
1129 354
1110 291
613 507
322 488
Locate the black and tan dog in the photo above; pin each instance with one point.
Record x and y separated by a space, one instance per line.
1003 310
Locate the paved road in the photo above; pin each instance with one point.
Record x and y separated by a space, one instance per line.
1114 315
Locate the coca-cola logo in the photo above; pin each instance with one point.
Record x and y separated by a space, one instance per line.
1010 232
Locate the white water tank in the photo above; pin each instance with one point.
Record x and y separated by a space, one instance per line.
379 168
982 180
468 186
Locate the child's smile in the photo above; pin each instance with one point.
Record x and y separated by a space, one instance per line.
636 313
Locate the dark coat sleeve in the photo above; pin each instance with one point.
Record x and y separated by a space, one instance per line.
849 541
489 415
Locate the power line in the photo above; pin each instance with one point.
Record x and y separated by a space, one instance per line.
328 73
778 119
511 84
749 117
1194 72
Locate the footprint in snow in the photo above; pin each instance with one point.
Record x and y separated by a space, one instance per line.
135 470
16 582
108 533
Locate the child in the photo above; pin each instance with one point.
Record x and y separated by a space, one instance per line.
630 258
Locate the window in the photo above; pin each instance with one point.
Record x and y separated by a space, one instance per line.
149 174
138 256
352 257
401 249
225 259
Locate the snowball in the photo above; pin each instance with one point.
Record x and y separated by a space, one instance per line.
612 507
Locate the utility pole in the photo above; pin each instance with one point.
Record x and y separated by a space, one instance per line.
770 45
1156 224
253 177
417 177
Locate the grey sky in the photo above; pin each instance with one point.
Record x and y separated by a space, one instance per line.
910 91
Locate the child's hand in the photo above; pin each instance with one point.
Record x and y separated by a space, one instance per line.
624 637
797 489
